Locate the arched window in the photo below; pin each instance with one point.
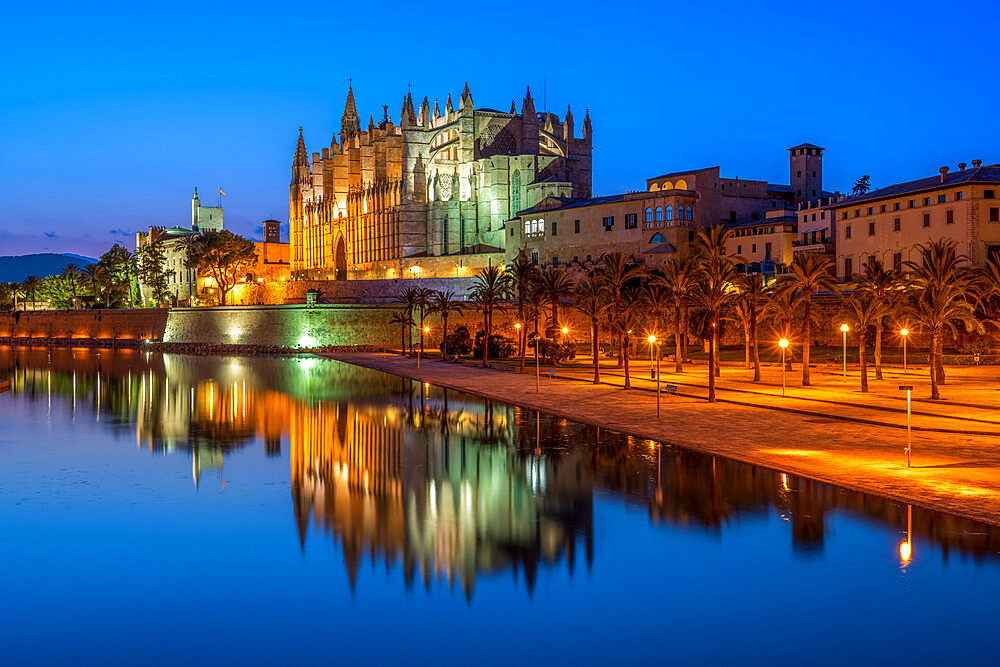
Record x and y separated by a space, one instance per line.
681 185
515 191
667 185
649 215
659 213
680 213
658 238
654 187
670 213
690 214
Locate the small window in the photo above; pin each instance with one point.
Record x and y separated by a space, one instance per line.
798 175
994 214
897 261
814 217
534 257
555 228
739 250
844 216
949 216
871 210
814 174
895 224
958 196
942 199
670 213
847 231
609 223
690 214
857 213
848 268
871 229
989 194
512 230
588 258
912 203
805 218
658 238
753 247
896 206
927 219
631 220
927 201
576 226
882 209
555 261
649 215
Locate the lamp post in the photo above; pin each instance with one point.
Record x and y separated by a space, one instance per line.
653 350
783 343
904 333
535 337
844 329
421 350
907 388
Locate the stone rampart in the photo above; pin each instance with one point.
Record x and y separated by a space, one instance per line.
347 291
138 323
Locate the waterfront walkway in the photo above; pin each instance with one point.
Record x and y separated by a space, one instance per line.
830 432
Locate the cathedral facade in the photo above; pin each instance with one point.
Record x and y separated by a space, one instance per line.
428 196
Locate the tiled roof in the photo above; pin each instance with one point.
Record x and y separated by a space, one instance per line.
761 222
986 174
681 173
571 202
807 146
660 248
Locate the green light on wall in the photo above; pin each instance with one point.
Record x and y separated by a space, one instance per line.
305 340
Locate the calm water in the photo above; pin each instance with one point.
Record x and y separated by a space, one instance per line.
157 509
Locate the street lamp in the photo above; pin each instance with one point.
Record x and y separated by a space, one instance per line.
904 333
535 337
652 347
565 330
421 350
844 329
908 388
783 343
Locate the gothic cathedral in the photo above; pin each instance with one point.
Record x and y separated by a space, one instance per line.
429 196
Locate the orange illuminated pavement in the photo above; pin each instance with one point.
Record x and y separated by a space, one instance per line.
830 432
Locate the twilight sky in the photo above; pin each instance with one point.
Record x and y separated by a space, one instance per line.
110 114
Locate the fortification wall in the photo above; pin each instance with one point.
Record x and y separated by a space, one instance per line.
346 291
97 324
287 326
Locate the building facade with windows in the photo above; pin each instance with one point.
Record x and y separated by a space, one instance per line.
889 223
428 196
649 227
767 243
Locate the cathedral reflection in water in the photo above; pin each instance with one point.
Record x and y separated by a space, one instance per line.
445 485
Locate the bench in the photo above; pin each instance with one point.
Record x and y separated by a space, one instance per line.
551 374
670 389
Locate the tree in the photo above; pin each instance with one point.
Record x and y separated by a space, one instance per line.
782 309
861 186
626 319
883 286
490 288
866 311
752 296
444 303
151 266
423 302
408 300
31 285
942 297
403 319
809 274
71 274
592 301
616 272
116 264
715 290
95 274
225 256
680 276
658 302
556 284
523 275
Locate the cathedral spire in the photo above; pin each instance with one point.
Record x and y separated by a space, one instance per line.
528 106
513 107
448 107
568 125
425 112
437 110
350 123
588 131
465 102
301 156
408 116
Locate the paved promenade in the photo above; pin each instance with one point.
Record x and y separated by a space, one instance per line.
830 432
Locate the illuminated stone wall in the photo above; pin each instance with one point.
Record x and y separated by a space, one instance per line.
290 326
98 324
347 291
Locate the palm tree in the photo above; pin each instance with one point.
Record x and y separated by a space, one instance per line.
884 286
627 319
95 274
753 293
71 272
126 261
680 276
942 297
715 290
592 301
534 307
810 273
408 300
445 303
403 319
15 291
782 309
616 272
659 301
556 285
866 311
523 274
490 289
423 302
31 285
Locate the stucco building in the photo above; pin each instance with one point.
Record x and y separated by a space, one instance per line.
889 223
428 196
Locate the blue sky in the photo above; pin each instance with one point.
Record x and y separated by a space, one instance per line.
111 114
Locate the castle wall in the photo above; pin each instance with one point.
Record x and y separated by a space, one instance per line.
139 323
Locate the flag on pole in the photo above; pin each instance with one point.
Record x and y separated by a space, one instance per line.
221 192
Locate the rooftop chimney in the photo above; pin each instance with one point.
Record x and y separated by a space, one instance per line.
976 163
944 172
961 166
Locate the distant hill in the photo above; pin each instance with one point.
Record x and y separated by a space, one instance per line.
18 267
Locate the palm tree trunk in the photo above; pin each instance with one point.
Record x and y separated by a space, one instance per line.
684 333
402 339
939 360
863 362
935 394
678 338
486 334
805 342
444 338
628 380
715 351
878 350
753 341
746 348
593 350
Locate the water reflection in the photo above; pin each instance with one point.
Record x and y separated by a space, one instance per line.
447 486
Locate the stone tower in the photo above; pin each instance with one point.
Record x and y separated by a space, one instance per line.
806 172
